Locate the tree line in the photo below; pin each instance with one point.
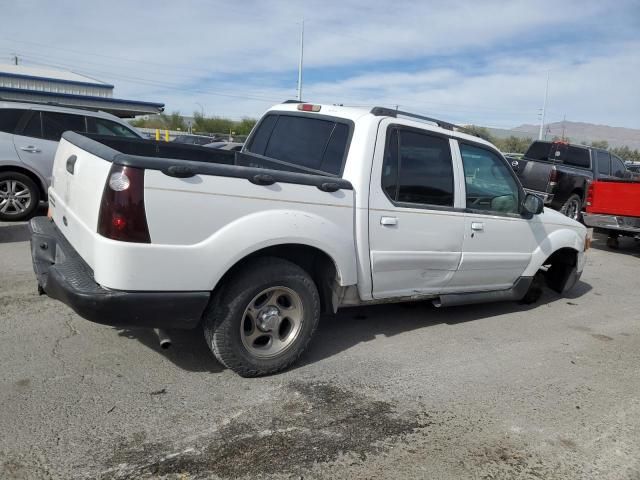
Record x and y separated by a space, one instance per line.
513 144
215 124
200 124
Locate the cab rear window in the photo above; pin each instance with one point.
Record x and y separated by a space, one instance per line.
314 143
559 152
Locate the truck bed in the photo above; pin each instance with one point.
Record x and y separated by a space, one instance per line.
197 202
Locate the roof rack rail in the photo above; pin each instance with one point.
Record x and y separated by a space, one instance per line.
293 101
391 112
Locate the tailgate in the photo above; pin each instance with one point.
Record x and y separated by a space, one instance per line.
614 198
534 175
76 191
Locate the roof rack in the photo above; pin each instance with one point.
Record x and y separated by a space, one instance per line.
391 112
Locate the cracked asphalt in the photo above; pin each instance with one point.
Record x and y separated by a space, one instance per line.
547 391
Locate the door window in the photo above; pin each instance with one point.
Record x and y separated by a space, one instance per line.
617 168
55 124
9 118
603 162
33 128
102 126
417 169
489 183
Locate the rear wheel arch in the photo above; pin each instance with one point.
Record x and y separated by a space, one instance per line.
579 191
320 266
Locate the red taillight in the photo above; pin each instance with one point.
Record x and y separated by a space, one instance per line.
589 198
553 176
122 214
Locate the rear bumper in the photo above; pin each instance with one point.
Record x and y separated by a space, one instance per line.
612 222
65 276
547 198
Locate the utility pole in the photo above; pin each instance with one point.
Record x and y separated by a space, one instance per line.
564 120
544 108
15 59
300 61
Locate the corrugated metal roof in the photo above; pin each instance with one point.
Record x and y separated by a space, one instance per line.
50 74
116 106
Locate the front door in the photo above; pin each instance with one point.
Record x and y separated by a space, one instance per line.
415 227
498 240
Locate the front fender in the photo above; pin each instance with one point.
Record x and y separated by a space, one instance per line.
268 228
561 238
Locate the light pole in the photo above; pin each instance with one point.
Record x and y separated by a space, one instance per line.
544 109
300 60
201 109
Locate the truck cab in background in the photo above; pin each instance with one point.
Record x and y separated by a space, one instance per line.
560 173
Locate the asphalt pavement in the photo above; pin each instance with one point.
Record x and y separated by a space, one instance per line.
543 391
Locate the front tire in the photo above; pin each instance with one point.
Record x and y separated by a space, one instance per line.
19 196
262 320
572 208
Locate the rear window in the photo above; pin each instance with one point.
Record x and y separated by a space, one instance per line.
538 151
576 156
54 124
559 152
315 143
9 118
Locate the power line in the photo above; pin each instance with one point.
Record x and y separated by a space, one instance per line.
147 82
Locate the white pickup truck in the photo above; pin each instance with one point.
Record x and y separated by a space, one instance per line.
325 207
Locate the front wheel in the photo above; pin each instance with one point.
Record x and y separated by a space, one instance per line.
572 208
262 320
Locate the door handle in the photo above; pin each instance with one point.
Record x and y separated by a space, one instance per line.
388 221
477 226
30 149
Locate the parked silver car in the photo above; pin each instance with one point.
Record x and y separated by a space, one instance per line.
29 135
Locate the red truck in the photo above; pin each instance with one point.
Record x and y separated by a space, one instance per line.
613 206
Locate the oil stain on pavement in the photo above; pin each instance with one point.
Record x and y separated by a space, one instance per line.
310 423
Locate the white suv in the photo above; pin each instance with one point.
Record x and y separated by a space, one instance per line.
29 135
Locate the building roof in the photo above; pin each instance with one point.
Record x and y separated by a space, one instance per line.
116 106
40 73
96 95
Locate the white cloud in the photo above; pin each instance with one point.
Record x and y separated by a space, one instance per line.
463 60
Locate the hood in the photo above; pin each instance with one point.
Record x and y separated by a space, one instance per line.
553 217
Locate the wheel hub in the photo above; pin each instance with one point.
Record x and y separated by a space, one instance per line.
269 318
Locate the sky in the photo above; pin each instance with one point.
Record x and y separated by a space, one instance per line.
481 62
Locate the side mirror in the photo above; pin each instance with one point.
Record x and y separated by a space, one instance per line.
532 204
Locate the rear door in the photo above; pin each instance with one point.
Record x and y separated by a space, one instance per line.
36 144
415 225
498 241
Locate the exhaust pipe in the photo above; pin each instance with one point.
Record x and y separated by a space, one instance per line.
163 338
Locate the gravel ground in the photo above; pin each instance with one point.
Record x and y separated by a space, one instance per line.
396 391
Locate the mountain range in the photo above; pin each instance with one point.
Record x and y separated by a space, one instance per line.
577 132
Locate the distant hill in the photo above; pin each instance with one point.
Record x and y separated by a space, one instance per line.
579 132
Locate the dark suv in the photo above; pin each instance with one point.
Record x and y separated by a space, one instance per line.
560 172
